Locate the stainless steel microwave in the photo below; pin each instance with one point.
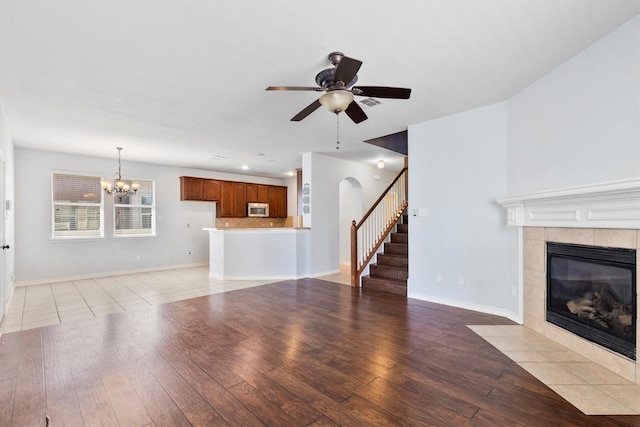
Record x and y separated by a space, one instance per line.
260 210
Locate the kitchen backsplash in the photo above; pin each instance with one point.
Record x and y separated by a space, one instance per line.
254 222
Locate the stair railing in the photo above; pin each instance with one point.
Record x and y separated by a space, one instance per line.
368 234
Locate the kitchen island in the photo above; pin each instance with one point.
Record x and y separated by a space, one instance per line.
258 253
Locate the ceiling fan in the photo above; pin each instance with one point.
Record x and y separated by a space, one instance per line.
338 85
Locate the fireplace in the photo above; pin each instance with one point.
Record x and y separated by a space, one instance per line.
591 292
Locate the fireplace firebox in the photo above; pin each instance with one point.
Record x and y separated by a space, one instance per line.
591 292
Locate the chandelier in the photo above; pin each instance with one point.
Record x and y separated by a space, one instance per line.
118 187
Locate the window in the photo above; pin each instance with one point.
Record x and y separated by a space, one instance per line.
134 215
77 209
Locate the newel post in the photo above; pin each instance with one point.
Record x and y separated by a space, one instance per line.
354 254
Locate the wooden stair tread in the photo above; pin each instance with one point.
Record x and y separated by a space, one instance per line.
394 286
391 271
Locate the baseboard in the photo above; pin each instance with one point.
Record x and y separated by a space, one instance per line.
106 274
324 273
226 277
469 306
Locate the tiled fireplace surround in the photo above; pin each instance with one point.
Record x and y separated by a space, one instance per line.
534 289
603 214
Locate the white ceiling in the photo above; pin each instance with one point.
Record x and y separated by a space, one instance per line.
177 81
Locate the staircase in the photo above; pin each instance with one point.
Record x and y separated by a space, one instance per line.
367 235
391 271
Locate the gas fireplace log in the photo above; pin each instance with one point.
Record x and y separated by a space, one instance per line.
625 319
582 307
602 309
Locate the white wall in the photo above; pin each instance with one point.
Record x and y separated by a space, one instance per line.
39 258
292 195
457 169
324 173
351 209
6 148
580 124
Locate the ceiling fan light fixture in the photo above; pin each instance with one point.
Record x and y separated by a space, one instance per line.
337 100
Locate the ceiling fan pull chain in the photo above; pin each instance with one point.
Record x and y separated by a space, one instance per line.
337 130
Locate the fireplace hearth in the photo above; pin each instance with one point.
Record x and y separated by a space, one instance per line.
591 292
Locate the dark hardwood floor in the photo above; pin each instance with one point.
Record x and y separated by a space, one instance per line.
295 353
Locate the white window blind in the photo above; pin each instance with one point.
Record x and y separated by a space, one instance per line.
77 210
134 215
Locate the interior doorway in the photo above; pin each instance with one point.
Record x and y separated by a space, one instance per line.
350 209
3 264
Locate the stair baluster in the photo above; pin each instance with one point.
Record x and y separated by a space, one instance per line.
370 232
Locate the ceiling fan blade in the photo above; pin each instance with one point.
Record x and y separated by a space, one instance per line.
355 113
346 70
317 89
383 92
308 110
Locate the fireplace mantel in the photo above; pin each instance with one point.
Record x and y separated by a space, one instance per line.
614 204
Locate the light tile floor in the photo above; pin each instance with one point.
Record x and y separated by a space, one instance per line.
49 304
52 303
588 386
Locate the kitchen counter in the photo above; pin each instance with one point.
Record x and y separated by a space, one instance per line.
258 253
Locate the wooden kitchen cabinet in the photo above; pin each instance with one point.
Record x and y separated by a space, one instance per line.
191 188
233 200
263 194
252 193
225 207
211 190
277 199
240 202
257 193
232 197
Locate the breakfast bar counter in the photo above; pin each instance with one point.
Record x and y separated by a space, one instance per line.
258 253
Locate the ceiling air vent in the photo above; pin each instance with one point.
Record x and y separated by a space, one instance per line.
369 102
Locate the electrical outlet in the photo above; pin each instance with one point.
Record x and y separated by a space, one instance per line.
461 281
514 290
188 225
138 257
439 278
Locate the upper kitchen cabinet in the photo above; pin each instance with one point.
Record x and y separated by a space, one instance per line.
257 193
263 194
232 197
191 188
240 202
211 190
226 206
252 193
277 199
233 200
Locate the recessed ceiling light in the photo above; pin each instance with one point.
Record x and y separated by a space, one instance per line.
290 173
217 157
245 167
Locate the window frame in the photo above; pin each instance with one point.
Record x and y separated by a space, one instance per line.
100 232
152 206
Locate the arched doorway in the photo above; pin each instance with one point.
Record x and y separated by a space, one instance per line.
350 209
